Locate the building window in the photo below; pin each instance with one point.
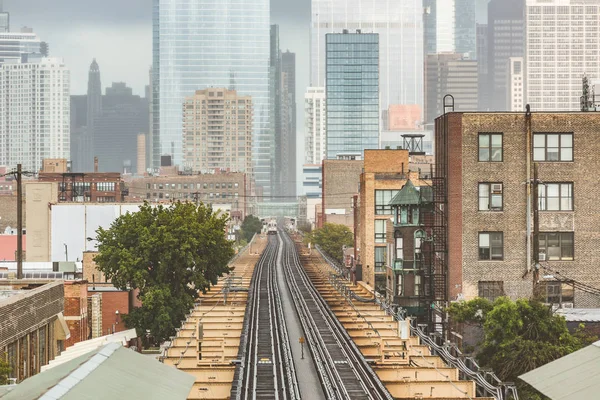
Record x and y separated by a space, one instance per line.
556 246
380 227
491 246
491 290
557 292
110 199
490 197
105 186
555 197
490 147
379 259
399 247
382 201
553 147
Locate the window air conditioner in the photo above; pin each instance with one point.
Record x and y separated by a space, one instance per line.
497 188
567 305
542 257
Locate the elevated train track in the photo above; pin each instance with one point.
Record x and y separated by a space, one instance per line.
266 367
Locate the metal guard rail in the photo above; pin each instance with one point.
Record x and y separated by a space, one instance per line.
510 390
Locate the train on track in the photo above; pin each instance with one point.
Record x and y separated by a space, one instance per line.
272 227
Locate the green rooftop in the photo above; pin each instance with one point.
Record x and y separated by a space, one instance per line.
408 195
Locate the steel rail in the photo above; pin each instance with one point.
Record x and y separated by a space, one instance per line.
348 374
266 370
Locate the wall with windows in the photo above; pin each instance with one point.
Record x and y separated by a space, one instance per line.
487 203
385 173
36 335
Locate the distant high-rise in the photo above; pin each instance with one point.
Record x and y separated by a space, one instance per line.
15 45
217 131
4 19
482 66
82 136
516 84
506 38
430 26
465 28
275 87
450 73
352 91
315 124
199 44
115 129
563 42
288 125
445 25
34 117
400 28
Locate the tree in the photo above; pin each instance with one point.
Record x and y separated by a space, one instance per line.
331 238
518 337
250 226
4 369
169 253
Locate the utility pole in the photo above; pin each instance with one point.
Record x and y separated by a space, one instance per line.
19 177
536 233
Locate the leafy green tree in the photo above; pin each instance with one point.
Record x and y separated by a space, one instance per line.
169 253
519 336
4 369
331 238
250 226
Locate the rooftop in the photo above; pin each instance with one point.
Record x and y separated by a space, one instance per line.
108 372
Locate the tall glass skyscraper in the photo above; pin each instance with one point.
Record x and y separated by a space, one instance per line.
198 44
352 84
400 28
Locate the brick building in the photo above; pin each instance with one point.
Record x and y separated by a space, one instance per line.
340 184
385 173
107 304
227 190
33 330
486 168
76 311
91 187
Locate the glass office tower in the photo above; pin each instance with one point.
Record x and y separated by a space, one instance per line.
352 85
400 28
198 44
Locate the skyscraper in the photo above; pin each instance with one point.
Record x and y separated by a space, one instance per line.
198 44
482 66
217 131
288 125
516 84
82 137
116 127
465 28
13 45
400 28
34 117
315 124
563 42
352 87
506 38
276 108
450 73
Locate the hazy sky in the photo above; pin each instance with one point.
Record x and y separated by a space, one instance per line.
118 33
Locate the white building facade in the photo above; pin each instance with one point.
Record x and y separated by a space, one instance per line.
563 43
516 84
34 112
315 125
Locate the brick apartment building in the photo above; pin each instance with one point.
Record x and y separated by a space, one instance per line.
76 311
385 173
486 165
226 189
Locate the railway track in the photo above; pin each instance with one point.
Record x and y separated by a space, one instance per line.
267 369
343 371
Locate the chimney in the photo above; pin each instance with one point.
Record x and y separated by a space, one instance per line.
95 164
